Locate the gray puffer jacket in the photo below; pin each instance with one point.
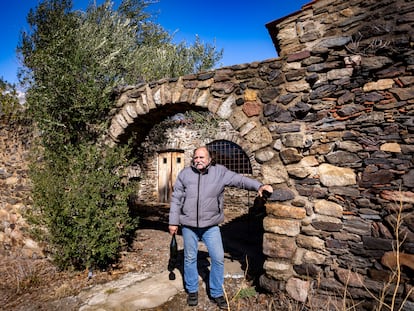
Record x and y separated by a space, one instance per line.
197 199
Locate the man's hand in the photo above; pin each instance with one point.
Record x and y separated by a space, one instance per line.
173 229
267 188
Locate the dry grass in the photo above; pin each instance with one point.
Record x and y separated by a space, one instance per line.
394 282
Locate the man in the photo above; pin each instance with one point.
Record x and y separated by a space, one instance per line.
197 206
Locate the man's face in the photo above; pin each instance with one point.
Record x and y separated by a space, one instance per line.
201 159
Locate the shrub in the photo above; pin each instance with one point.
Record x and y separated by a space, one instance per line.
81 205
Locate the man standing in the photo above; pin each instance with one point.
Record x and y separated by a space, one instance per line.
197 205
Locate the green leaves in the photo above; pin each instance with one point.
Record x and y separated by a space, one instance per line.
72 60
83 202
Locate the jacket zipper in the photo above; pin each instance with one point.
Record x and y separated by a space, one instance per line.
198 197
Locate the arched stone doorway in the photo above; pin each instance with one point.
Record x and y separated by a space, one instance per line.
234 100
237 97
219 93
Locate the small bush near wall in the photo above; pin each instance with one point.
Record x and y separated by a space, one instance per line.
86 224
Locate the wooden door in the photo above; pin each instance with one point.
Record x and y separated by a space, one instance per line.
169 165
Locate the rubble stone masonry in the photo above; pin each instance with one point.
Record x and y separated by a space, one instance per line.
330 124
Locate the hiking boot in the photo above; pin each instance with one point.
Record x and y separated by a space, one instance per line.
192 299
221 303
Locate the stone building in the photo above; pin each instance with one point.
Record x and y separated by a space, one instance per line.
329 123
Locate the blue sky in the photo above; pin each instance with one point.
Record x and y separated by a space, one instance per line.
237 27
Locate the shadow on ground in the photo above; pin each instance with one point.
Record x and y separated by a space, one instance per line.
242 237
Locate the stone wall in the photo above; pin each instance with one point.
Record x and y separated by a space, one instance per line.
331 124
372 24
354 172
15 190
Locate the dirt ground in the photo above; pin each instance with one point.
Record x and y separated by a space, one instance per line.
35 284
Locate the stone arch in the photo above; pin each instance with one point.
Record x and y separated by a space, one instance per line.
136 103
140 107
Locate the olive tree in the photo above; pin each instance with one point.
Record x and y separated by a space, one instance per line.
72 61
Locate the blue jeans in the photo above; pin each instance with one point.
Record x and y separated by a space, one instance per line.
211 237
